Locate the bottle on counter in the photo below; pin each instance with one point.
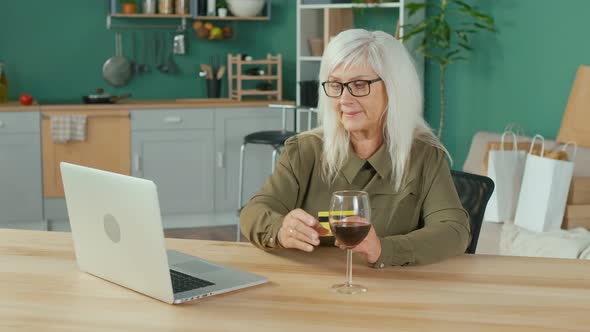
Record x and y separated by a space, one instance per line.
3 85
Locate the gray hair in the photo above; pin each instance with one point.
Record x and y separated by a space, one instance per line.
403 123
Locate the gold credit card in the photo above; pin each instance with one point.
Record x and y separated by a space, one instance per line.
323 218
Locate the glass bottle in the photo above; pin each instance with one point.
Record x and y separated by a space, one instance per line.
3 85
182 7
165 7
149 6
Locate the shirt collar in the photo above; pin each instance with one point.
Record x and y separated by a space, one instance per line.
380 161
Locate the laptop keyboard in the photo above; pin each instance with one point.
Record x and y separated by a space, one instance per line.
183 282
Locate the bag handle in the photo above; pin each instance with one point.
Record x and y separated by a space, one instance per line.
542 144
510 132
575 145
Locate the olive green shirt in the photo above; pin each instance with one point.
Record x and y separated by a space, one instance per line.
421 223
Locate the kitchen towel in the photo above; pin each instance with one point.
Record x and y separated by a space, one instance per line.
68 127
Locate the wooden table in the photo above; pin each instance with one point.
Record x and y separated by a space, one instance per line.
42 290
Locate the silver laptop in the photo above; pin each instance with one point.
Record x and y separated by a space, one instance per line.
118 236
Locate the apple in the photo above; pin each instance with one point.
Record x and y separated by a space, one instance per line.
26 99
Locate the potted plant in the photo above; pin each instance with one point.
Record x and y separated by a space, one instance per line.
221 8
445 36
128 6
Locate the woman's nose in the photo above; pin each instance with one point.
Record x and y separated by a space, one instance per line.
346 96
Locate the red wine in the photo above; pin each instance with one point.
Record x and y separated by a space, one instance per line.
350 233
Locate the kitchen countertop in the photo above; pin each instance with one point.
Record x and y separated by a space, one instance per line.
129 104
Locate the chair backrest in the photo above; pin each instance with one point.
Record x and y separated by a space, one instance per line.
474 192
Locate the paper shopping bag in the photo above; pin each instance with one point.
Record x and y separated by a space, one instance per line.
544 191
505 168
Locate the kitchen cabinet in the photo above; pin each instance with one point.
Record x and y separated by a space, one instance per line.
20 164
174 148
231 125
106 147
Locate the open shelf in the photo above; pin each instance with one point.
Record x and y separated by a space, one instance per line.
352 5
150 15
310 58
233 18
258 77
260 92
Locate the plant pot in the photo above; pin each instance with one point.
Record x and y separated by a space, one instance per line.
222 12
128 8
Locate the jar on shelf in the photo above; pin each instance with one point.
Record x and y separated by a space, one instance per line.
149 6
182 7
165 7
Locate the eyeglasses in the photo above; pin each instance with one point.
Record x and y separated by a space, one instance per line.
357 88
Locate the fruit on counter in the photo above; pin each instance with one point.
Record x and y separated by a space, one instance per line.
26 99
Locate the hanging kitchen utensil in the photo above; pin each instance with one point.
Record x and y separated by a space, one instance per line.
163 67
117 69
145 68
172 67
136 66
103 98
179 43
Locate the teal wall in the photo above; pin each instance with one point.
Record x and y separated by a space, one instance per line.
55 50
523 74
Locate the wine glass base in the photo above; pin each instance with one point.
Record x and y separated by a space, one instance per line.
349 289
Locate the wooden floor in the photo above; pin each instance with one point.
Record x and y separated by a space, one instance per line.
218 233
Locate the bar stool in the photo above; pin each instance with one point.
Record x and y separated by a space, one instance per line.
274 138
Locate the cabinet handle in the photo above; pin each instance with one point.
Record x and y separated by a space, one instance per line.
136 161
1 124
173 119
220 163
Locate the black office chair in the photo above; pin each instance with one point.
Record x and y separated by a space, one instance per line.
274 138
474 192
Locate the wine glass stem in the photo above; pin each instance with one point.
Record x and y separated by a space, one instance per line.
348 267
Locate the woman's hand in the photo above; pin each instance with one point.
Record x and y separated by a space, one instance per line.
370 248
300 230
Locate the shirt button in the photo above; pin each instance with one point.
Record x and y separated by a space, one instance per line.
272 240
381 265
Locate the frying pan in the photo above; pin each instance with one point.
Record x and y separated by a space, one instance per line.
105 99
117 69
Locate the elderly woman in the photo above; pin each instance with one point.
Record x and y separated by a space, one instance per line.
373 138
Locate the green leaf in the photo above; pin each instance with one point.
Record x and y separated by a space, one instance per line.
414 7
461 3
415 30
451 53
466 47
484 27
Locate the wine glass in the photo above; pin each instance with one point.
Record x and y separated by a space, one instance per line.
350 215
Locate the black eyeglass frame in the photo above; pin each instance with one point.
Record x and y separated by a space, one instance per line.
346 84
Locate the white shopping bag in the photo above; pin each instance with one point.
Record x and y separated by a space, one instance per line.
544 190
505 168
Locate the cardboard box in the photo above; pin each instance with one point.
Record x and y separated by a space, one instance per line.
576 216
575 125
579 191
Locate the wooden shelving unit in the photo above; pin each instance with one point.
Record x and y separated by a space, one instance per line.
273 75
324 21
232 18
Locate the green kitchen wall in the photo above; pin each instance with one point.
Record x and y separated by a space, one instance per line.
522 75
54 50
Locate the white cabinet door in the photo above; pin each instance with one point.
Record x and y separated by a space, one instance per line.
20 170
231 125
